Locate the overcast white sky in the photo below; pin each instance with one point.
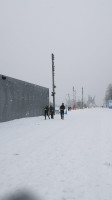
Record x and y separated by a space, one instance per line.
78 32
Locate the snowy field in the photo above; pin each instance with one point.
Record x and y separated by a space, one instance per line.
58 159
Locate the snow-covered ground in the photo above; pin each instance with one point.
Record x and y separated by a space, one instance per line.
58 159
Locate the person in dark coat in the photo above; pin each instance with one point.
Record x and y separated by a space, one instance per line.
52 112
62 108
46 110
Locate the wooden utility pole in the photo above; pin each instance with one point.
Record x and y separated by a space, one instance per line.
73 96
53 85
82 97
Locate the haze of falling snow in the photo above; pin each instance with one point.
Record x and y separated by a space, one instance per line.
79 33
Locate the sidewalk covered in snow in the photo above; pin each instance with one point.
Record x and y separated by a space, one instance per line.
58 159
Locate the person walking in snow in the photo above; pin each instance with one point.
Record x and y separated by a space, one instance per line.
62 108
51 111
46 110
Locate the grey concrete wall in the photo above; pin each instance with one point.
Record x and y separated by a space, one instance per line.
20 99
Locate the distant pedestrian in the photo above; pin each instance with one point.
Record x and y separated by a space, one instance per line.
51 111
69 108
46 111
62 108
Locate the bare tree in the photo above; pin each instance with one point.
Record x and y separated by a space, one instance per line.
108 94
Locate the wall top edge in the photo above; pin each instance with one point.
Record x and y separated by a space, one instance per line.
4 77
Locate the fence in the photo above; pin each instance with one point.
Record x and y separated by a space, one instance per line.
20 99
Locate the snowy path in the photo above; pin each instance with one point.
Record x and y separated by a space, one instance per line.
59 159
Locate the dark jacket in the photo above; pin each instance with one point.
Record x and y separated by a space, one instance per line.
51 109
46 108
62 108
